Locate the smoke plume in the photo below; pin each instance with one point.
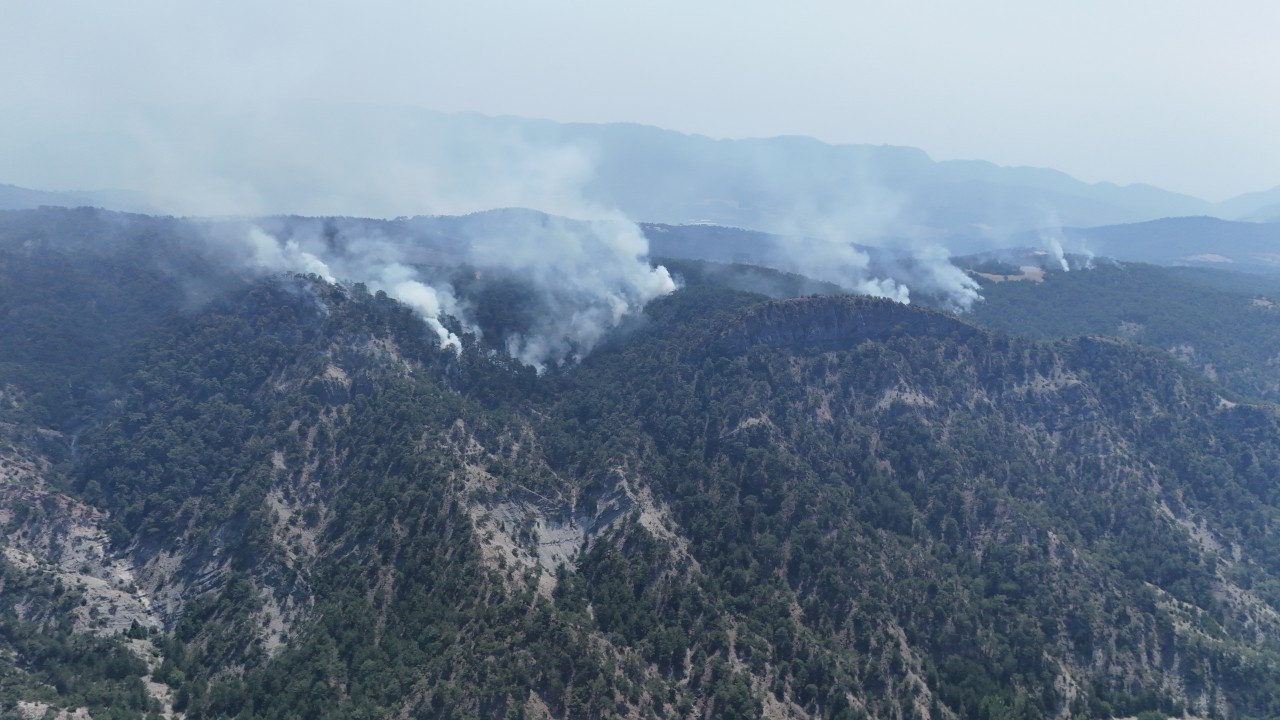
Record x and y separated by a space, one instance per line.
855 233
838 221
581 278
588 277
1062 247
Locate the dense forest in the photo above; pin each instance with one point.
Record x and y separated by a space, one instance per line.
277 497
1222 323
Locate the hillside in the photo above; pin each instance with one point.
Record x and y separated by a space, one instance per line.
274 496
1193 241
1222 324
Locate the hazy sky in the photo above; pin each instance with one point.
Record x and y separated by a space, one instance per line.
1184 95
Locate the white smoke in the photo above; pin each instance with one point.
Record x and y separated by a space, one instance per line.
401 282
935 273
822 232
586 277
268 253
376 264
1059 245
1051 242
831 256
323 159
251 159
841 263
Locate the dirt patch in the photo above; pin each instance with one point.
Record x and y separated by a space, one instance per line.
1030 273
1040 383
905 396
31 710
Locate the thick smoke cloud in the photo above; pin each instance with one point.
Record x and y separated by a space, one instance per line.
588 277
268 253
325 159
584 278
255 159
829 225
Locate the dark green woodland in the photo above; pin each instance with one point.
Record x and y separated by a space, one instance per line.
276 497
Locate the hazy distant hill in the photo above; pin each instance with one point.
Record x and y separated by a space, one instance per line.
1261 206
1204 241
13 197
369 160
783 184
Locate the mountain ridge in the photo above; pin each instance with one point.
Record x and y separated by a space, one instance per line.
851 508
647 173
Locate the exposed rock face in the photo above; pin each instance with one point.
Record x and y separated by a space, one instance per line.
520 528
63 541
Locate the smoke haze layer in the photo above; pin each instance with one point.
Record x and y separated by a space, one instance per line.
317 159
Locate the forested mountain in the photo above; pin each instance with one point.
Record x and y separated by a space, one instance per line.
270 495
1223 324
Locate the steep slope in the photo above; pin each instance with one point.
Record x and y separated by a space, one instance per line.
935 464
812 507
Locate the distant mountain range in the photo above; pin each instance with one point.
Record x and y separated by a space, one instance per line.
13 197
1261 206
385 161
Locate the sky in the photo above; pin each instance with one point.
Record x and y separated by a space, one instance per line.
1182 95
